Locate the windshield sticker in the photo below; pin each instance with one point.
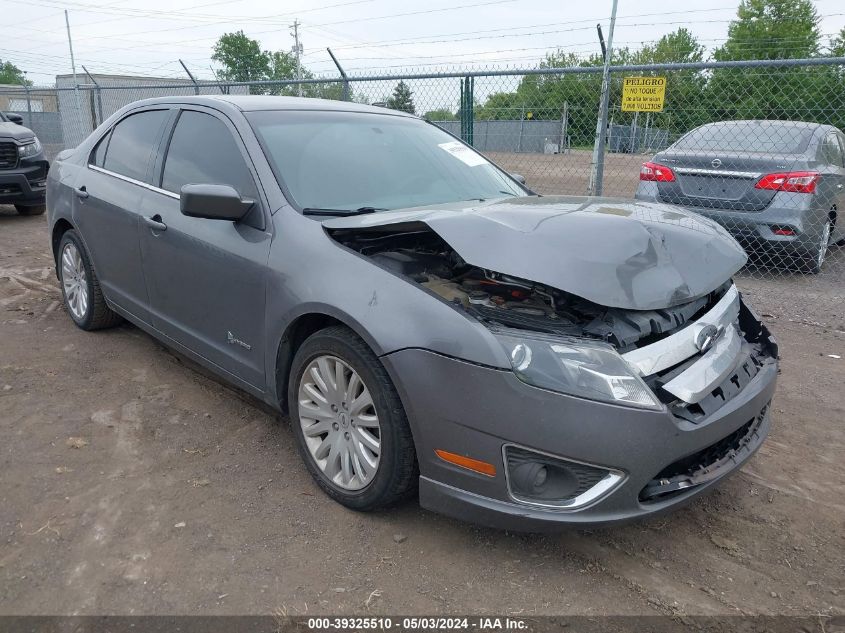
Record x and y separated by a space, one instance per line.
463 153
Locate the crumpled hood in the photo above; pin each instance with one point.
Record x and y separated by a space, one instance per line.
617 253
15 132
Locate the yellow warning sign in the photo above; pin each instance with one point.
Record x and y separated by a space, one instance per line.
643 94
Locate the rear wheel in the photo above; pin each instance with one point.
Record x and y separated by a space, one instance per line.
81 291
814 260
37 209
349 423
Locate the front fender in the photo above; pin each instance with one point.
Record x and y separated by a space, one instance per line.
312 274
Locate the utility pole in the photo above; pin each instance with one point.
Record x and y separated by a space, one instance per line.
73 67
597 167
297 50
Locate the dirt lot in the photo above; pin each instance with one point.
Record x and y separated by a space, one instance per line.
570 173
133 484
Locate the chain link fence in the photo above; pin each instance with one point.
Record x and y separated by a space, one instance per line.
757 146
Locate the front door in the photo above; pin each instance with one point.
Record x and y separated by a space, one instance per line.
207 278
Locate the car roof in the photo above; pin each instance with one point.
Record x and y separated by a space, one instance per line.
253 103
768 123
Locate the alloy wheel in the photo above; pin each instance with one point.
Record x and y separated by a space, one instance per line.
825 244
339 422
74 281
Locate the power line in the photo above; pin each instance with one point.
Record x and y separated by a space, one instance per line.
554 31
591 21
510 32
185 14
122 36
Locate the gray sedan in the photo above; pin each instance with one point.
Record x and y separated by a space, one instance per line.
776 186
427 323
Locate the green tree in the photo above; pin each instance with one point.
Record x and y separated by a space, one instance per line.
679 46
242 59
402 99
11 74
440 114
684 106
772 29
837 44
282 67
502 105
546 96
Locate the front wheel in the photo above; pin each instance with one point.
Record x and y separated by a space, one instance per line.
349 423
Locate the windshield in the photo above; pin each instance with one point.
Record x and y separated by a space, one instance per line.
765 137
348 160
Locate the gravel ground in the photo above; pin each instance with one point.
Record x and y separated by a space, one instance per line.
133 483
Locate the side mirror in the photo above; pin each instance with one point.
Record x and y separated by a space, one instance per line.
519 178
214 202
14 118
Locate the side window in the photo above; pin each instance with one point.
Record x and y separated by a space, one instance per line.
98 155
133 142
831 150
203 151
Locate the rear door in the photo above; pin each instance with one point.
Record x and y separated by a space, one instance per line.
206 278
107 202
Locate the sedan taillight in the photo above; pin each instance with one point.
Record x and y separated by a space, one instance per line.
793 181
653 172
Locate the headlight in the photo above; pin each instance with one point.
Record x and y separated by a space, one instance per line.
589 369
30 149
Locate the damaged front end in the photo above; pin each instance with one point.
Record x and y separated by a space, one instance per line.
688 359
663 347
500 300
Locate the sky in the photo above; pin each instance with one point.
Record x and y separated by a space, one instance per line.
368 36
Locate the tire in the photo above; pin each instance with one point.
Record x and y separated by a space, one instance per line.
37 209
77 277
813 261
396 472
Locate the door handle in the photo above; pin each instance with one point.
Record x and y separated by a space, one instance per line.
81 192
155 223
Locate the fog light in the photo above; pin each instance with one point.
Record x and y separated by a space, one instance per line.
530 478
539 479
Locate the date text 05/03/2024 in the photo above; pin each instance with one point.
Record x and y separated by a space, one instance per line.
417 623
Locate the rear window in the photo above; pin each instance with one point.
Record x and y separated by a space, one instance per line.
132 144
765 137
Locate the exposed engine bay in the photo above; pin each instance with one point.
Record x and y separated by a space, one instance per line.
417 252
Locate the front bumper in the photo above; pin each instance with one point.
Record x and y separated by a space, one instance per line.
474 411
26 184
